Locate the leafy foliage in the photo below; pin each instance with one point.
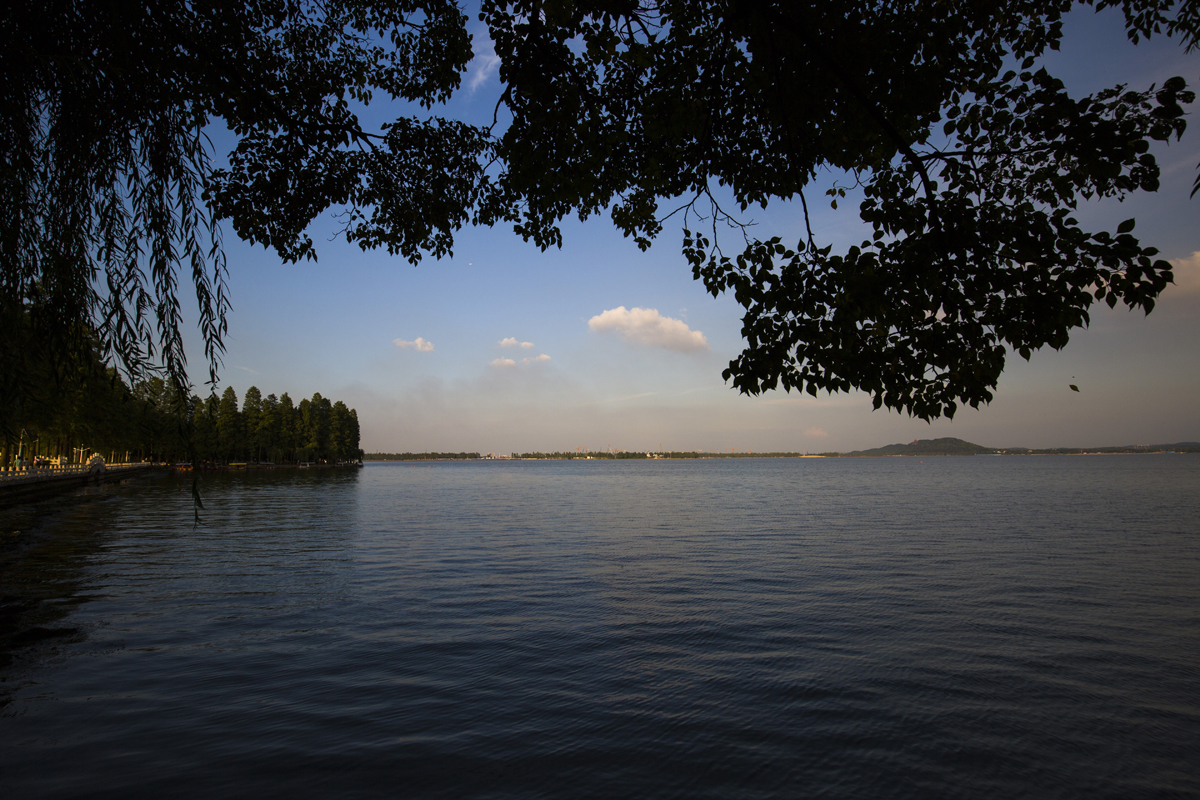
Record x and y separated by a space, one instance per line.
108 185
971 171
93 409
971 160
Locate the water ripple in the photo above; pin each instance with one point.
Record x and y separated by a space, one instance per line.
828 628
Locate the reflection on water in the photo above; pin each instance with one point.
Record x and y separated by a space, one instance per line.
44 547
848 627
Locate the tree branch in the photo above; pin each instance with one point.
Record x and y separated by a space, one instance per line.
869 106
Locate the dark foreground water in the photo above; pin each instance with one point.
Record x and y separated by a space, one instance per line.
966 627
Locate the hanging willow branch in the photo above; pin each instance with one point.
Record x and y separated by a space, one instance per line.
103 172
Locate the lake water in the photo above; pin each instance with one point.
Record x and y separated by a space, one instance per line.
894 627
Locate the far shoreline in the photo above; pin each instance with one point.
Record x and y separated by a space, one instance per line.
915 450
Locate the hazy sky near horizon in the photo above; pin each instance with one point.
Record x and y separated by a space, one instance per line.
506 348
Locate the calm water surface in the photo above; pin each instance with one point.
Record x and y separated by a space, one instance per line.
945 627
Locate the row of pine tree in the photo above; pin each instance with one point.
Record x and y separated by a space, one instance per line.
263 429
95 411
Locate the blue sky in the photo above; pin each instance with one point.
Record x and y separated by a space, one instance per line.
347 325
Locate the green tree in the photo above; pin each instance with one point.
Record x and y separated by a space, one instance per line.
339 416
316 414
269 428
155 423
178 409
289 427
352 438
252 407
343 432
205 438
230 431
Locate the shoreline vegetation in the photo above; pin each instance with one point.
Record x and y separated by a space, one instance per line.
946 446
73 417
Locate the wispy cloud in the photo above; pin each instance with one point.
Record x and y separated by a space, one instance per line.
512 341
776 399
820 433
848 399
1187 273
419 344
626 397
503 362
485 62
646 326
535 359
247 369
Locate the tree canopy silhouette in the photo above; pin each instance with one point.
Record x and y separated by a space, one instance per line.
110 187
971 159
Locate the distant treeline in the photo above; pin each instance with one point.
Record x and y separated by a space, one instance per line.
644 454
1180 447
566 455
419 456
93 410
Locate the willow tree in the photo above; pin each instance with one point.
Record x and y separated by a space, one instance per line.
112 198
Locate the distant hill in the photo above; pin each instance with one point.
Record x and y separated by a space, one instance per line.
947 446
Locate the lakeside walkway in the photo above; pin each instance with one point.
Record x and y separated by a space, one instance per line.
33 483
12 475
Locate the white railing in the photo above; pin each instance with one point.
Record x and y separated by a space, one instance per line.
10 474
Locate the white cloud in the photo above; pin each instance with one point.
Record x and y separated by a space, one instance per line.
512 341
484 64
503 362
542 357
820 433
418 344
1187 273
647 326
